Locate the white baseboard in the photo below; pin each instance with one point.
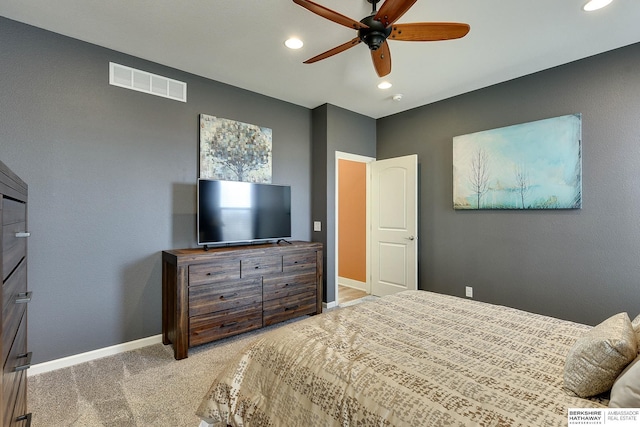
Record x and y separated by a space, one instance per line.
327 305
65 362
350 283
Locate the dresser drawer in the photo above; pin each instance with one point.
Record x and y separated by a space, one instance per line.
20 417
13 211
279 310
13 373
222 296
220 270
14 305
286 285
14 248
299 262
214 326
259 266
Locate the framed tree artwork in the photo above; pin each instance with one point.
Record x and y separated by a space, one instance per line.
536 165
234 151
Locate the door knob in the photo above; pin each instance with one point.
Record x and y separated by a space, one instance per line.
410 238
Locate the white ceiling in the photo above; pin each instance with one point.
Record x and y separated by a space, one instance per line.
240 42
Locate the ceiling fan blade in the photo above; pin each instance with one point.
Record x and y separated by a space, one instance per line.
330 14
392 10
382 59
334 51
428 31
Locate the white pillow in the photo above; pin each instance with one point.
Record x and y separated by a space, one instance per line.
598 357
625 392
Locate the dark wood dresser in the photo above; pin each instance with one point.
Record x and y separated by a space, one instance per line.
15 358
209 295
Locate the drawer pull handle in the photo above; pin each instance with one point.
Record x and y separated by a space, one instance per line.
286 284
257 267
25 365
23 298
291 308
23 234
229 296
26 417
226 325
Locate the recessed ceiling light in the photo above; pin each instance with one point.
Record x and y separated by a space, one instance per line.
384 85
293 43
595 5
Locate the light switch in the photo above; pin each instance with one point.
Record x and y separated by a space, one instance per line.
317 226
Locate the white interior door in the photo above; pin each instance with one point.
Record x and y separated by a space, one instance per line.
394 225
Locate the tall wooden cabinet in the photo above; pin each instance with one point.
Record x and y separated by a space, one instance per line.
213 294
15 357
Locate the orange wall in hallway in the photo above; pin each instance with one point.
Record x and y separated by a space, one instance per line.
352 191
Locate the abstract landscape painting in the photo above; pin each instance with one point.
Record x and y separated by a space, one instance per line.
234 151
536 165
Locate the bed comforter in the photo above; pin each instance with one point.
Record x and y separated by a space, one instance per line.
416 358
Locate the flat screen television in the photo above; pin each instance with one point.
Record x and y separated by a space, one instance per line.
239 212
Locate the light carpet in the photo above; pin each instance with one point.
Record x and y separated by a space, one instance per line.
143 387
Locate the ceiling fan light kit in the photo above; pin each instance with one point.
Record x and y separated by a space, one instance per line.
374 30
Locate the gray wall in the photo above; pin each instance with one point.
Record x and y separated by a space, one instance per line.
111 175
335 129
319 184
582 265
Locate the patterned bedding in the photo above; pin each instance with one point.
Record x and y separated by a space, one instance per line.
416 358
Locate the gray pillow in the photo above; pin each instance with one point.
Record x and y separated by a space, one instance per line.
598 357
625 392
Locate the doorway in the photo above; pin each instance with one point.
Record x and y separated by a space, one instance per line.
385 206
352 225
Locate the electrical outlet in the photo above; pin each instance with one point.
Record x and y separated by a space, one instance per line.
468 291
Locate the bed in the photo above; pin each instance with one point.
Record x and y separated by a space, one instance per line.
415 358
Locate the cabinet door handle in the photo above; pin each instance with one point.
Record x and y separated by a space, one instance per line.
25 365
224 325
25 417
291 308
23 234
23 298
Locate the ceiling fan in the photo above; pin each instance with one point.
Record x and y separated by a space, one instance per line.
375 29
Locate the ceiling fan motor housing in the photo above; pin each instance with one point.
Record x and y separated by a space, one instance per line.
375 35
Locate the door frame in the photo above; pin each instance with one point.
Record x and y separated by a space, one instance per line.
340 155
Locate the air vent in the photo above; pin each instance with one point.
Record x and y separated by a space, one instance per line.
141 81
